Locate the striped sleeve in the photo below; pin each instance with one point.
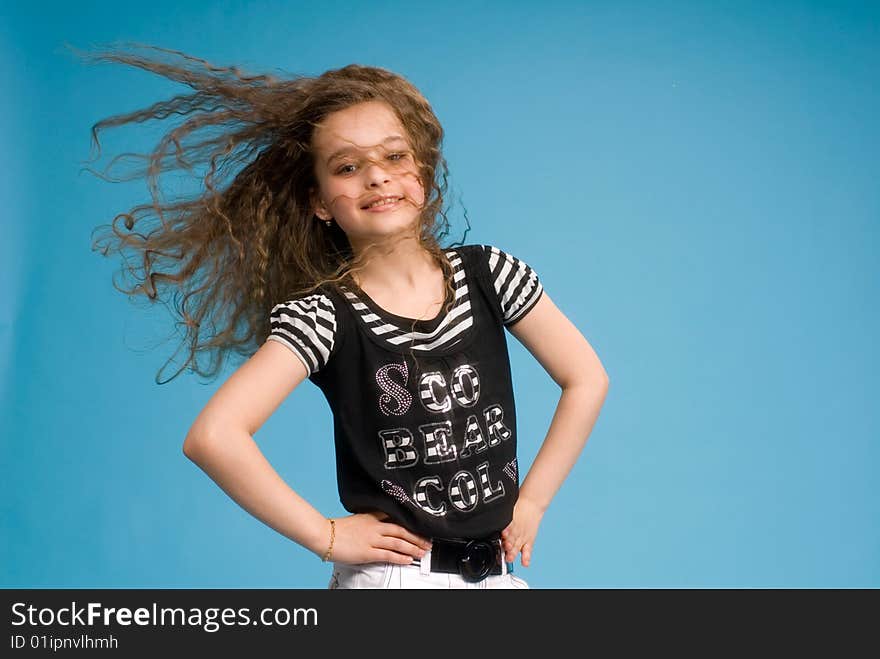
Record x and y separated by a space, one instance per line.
307 326
516 284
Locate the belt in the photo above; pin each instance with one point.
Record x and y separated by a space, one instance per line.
473 558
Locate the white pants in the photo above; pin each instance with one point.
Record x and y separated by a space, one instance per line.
416 575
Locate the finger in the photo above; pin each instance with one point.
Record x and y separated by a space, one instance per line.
402 546
526 555
512 551
397 531
392 557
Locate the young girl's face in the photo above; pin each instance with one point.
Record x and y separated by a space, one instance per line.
363 153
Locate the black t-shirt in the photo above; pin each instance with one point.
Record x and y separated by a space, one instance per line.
424 418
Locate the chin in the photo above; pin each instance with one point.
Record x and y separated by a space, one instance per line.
395 220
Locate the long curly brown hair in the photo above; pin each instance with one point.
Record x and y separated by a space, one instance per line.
248 238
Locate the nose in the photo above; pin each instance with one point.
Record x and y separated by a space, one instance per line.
376 174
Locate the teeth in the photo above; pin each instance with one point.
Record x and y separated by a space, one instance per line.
382 202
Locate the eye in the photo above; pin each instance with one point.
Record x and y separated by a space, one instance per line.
396 157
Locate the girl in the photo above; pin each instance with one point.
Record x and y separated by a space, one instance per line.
320 258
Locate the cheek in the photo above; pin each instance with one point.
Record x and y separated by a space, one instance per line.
416 190
337 192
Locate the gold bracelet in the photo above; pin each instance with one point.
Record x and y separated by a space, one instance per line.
332 538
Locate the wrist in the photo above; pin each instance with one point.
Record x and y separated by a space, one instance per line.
319 536
531 501
328 553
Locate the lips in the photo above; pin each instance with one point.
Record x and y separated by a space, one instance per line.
391 198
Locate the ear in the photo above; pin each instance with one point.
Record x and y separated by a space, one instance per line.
318 207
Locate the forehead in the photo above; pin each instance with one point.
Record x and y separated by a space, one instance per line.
359 126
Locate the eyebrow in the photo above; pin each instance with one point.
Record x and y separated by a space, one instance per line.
341 152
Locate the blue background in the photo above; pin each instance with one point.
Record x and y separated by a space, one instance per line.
696 186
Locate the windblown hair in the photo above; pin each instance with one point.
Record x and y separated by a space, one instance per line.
248 239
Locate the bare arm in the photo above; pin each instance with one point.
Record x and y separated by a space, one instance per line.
573 364
233 461
221 442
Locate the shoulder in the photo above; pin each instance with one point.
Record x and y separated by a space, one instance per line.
516 283
468 252
308 326
498 257
480 254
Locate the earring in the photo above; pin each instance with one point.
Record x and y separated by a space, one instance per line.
327 222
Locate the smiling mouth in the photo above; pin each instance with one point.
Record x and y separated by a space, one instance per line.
381 204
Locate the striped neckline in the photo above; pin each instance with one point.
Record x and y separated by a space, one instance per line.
438 333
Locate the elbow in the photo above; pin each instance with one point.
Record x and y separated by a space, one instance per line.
599 383
584 372
594 380
597 376
189 446
199 436
194 444
602 379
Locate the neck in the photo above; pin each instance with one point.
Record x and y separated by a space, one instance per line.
395 266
